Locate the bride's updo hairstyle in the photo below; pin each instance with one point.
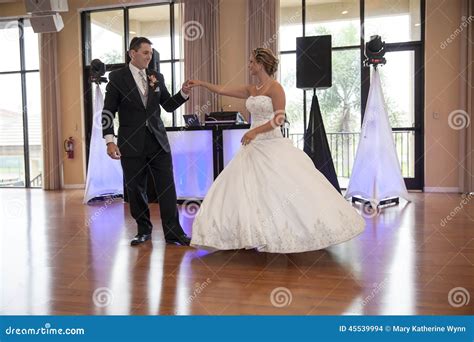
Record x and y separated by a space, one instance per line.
266 57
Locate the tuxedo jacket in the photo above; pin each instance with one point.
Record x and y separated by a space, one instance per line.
123 96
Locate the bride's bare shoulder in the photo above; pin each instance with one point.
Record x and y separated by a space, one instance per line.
276 89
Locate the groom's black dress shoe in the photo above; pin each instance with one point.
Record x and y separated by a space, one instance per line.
182 240
139 239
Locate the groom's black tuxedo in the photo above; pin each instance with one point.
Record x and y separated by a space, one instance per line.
143 144
123 95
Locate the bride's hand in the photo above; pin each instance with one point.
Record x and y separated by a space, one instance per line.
248 137
194 83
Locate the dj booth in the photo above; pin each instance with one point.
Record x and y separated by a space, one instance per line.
199 154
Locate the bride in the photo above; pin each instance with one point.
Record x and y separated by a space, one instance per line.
270 196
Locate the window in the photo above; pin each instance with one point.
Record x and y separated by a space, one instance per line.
339 19
107 34
21 160
351 23
395 21
153 23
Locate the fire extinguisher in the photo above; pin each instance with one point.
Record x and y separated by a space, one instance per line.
69 147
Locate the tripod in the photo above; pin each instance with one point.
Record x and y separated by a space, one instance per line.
316 144
376 178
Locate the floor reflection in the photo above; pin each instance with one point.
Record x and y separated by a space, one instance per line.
61 257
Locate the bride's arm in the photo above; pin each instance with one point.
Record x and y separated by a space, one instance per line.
277 95
241 92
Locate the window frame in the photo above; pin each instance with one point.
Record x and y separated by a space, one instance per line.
418 47
23 71
86 59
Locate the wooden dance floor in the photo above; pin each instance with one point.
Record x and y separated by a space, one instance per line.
62 257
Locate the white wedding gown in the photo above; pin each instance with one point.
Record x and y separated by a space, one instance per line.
271 197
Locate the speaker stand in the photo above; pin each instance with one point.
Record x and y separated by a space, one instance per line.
316 144
382 203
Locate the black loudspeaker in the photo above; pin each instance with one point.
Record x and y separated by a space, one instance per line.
155 61
314 62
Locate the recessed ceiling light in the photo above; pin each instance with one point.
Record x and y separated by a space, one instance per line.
417 24
344 12
132 32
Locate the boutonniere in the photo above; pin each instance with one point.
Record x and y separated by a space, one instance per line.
152 81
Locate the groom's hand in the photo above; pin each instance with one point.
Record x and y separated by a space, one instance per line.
113 151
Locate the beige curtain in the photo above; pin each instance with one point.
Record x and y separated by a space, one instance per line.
262 27
200 32
50 112
466 147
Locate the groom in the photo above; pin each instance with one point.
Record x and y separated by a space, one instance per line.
137 93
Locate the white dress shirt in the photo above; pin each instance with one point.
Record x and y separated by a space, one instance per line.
138 77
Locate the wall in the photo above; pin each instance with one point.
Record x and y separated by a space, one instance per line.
70 79
442 89
233 59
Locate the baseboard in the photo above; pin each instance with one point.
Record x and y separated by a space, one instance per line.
442 189
73 186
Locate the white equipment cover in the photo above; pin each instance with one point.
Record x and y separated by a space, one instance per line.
376 174
104 176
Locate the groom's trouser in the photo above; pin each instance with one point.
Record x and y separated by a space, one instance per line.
135 169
